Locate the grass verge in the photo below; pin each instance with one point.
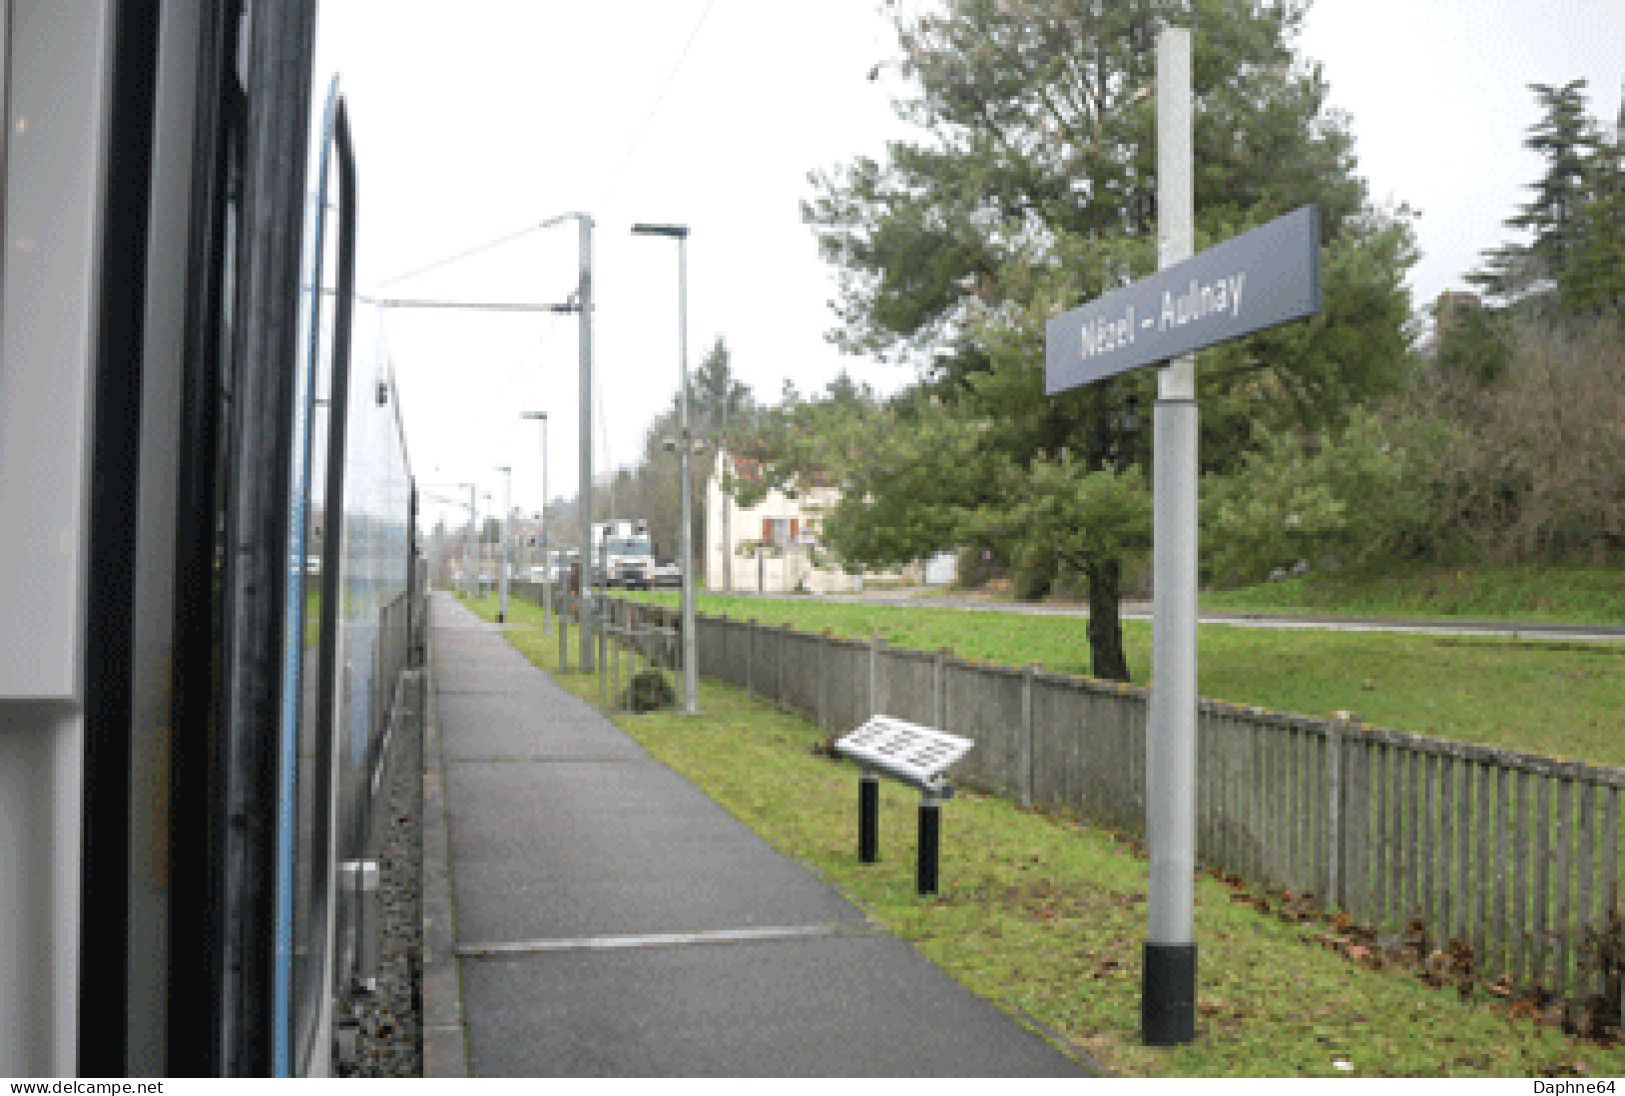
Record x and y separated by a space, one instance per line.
1563 700
1581 595
1046 918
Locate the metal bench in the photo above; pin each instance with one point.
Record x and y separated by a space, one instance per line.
914 755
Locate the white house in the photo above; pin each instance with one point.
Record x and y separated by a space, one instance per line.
774 547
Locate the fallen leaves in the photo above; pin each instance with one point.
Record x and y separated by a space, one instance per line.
1455 965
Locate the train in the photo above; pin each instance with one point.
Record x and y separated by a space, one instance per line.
211 587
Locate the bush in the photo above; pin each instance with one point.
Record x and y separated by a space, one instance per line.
975 568
1535 471
1523 466
648 691
1331 499
1035 575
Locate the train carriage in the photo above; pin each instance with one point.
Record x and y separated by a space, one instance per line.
209 580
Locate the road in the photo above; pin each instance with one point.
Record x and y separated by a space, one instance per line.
1141 610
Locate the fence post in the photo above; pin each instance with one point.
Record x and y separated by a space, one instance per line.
723 624
1334 813
601 620
750 658
938 686
874 673
778 670
1024 758
823 680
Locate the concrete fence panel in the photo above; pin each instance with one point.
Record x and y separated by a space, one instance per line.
985 704
1513 855
799 670
909 685
846 685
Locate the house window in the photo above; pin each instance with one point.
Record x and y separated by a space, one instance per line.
779 532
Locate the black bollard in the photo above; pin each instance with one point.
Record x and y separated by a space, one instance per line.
1168 995
925 876
868 817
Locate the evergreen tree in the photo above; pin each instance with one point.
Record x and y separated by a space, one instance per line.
1032 190
718 400
1594 277
1568 141
720 408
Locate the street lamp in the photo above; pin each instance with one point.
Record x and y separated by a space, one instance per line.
485 496
690 662
547 562
502 546
470 577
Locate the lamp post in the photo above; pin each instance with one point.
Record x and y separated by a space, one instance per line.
547 563
470 552
485 496
502 545
684 446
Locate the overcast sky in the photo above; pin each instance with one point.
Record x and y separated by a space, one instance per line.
477 119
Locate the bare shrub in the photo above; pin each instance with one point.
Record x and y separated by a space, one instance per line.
1534 468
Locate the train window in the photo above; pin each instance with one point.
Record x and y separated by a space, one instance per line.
306 896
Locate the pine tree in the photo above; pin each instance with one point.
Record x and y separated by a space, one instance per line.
1568 141
1593 279
1033 189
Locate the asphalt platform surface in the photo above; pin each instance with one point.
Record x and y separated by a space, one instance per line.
600 916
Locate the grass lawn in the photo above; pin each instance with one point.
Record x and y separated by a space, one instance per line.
1046 918
1585 595
1563 700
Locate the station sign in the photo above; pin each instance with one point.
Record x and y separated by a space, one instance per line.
1256 280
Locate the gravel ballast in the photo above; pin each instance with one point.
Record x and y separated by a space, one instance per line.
381 1030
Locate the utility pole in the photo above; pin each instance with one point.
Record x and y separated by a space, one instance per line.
691 685
584 303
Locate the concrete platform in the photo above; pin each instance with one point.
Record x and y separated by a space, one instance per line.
601 917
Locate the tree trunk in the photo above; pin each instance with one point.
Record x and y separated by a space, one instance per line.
1105 627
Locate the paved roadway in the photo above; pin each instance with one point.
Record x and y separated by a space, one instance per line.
588 912
1141 610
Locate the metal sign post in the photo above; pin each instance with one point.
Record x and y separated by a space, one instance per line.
1168 986
1256 280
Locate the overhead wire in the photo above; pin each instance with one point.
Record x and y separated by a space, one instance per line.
660 97
596 397
601 427
467 253
615 180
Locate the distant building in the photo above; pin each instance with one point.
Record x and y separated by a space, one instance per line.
775 546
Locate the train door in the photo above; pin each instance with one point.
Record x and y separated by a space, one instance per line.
78 92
